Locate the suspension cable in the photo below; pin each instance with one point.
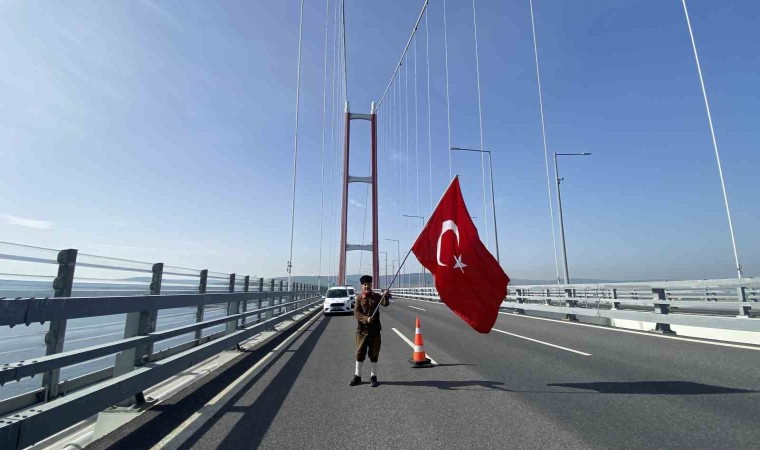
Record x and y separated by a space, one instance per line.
416 145
345 62
406 123
403 53
430 134
295 149
480 123
448 108
333 126
543 135
714 141
322 162
416 131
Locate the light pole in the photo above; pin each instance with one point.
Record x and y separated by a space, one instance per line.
493 201
386 266
423 224
398 251
559 205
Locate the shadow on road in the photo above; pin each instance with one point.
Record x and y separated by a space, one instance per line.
654 388
256 419
450 385
147 430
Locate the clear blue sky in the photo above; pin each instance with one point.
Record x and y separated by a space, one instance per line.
163 130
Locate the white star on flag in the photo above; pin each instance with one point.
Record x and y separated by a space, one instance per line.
459 264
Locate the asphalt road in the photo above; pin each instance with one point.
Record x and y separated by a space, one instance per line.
569 386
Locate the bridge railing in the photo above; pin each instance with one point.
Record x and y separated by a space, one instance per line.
721 304
171 317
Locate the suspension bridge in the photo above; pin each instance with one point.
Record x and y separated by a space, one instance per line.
111 353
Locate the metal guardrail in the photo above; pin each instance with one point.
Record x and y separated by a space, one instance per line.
720 304
251 306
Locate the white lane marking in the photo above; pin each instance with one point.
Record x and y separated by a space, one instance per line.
542 342
169 437
416 308
640 333
411 344
418 300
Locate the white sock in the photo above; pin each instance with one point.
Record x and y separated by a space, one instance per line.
373 366
359 365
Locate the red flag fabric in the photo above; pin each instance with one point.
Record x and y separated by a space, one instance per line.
468 278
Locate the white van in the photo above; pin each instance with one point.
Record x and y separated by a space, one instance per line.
339 299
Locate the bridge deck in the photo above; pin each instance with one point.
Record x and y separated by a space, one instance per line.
632 390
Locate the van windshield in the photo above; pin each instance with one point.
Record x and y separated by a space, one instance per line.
337 293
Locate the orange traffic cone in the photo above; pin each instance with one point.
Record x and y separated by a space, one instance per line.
419 359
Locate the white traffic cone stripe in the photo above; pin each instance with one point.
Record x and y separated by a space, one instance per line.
418 349
417 331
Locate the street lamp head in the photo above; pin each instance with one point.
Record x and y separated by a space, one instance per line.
462 149
571 154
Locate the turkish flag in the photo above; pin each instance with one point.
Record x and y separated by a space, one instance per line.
468 278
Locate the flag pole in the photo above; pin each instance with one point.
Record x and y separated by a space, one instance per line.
393 280
415 240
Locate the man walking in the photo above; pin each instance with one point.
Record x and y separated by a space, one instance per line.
368 329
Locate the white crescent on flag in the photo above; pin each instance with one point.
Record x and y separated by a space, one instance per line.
448 225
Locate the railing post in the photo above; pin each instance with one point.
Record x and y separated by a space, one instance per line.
232 308
280 298
744 308
260 301
520 297
569 303
62 285
246 284
148 319
660 307
199 312
614 296
139 324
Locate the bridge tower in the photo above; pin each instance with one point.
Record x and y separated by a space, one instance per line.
348 179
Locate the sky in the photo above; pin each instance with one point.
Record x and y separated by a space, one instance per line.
163 131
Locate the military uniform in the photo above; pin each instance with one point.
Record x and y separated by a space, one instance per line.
368 334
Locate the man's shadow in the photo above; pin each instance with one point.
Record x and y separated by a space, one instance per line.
654 388
451 385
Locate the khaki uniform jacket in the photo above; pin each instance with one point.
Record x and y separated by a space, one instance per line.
365 306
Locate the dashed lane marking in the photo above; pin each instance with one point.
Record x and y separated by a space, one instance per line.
542 342
641 333
416 308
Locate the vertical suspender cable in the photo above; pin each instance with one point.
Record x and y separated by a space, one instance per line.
406 120
416 131
430 134
416 146
345 62
333 125
295 149
448 108
714 141
406 124
480 122
322 162
543 134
